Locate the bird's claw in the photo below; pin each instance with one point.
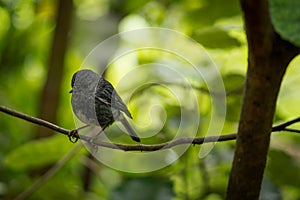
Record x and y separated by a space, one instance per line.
73 136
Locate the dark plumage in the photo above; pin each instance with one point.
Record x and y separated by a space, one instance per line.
95 102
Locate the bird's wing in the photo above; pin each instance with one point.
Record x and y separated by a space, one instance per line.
119 104
106 94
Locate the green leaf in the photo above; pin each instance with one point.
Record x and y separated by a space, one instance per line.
216 38
285 16
37 153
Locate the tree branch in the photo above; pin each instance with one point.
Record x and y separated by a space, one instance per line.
200 89
34 120
139 147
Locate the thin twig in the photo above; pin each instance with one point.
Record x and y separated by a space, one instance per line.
140 147
291 130
282 126
204 90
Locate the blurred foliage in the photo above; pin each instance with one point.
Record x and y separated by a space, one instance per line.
22 158
151 187
26 30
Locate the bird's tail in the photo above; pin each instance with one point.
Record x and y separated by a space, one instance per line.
130 130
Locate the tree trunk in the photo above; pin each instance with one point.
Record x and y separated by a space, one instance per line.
51 90
268 59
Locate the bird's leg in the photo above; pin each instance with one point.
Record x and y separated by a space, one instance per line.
94 137
85 126
101 131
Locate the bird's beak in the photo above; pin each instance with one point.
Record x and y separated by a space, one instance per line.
71 91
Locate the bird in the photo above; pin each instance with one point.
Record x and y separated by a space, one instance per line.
96 102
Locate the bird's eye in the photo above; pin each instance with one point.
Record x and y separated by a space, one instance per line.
73 80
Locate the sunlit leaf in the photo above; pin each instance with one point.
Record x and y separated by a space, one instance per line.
5 23
211 11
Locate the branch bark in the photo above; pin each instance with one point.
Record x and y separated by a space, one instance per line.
138 147
268 59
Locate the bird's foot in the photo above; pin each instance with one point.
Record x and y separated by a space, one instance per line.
73 135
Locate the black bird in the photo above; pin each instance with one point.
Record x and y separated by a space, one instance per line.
95 102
